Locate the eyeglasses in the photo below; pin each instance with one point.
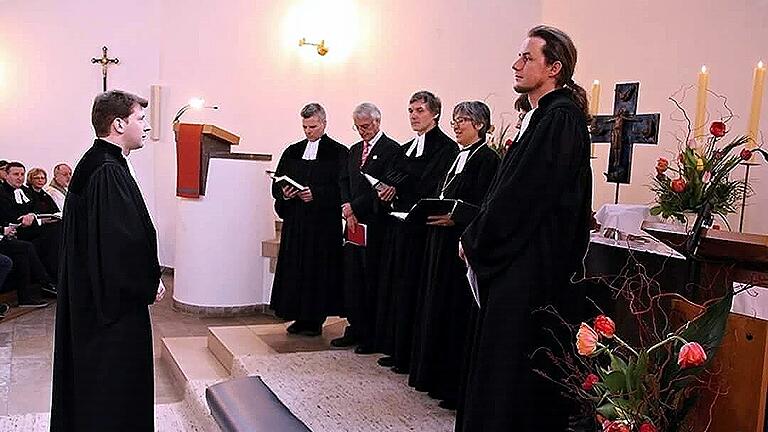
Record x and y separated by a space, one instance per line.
460 120
362 127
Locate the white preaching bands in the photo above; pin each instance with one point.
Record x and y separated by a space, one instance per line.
417 145
310 153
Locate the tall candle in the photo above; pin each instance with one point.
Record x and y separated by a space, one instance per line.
594 101
594 105
757 98
701 103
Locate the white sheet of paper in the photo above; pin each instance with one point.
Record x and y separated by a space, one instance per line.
473 285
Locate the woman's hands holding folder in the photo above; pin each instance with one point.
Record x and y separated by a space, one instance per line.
441 220
386 193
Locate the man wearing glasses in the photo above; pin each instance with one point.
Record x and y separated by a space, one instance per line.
369 160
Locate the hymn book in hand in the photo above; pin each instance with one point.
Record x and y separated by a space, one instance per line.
285 180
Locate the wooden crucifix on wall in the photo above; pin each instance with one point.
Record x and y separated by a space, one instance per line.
104 61
623 129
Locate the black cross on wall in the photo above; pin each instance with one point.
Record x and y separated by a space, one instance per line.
624 129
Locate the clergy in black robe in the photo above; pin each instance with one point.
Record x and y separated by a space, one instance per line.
308 278
20 204
417 175
525 245
102 367
44 203
374 156
444 310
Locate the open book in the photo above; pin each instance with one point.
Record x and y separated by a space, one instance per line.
458 209
377 184
48 216
285 180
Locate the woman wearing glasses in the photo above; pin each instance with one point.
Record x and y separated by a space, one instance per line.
445 307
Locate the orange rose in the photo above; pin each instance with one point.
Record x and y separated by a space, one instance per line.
605 326
586 340
662 165
691 355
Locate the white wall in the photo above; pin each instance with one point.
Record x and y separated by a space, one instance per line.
663 45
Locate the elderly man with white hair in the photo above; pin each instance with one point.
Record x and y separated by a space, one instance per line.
369 159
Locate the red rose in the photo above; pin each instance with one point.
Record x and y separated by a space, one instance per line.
691 355
678 185
647 427
746 154
590 382
662 165
717 129
605 326
615 426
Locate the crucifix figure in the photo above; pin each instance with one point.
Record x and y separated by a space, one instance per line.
624 129
104 61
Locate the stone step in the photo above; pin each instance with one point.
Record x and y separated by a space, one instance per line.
189 359
230 342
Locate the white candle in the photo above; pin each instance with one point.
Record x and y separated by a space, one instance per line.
701 103
757 98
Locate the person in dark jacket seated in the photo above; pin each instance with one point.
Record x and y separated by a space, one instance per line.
44 203
18 205
27 276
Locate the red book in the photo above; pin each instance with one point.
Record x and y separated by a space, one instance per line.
359 237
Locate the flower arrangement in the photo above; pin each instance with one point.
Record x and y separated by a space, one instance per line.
701 174
648 388
501 141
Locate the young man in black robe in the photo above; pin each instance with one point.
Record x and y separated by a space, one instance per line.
308 278
374 156
102 368
444 311
525 245
417 175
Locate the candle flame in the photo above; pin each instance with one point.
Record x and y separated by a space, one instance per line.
703 69
760 64
596 82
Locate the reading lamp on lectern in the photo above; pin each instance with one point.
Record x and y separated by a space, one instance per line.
194 103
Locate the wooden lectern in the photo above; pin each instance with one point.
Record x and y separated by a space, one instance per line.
196 144
741 363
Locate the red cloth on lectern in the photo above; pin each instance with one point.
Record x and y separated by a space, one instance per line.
188 160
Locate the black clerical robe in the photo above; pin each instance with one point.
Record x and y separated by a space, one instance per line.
361 263
308 277
46 237
415 176
102 367
443 311
528 240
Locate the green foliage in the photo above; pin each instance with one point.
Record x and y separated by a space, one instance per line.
705 170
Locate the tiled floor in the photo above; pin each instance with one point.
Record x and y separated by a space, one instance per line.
26 344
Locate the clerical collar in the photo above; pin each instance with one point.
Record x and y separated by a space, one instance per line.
125 158
20 196
417 146
310 152
459 163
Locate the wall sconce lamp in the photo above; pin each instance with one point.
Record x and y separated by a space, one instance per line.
194 103
321 48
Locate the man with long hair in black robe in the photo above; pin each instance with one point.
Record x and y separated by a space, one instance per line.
526 244
103 376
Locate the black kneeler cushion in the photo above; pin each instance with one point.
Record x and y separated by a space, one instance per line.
247 404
